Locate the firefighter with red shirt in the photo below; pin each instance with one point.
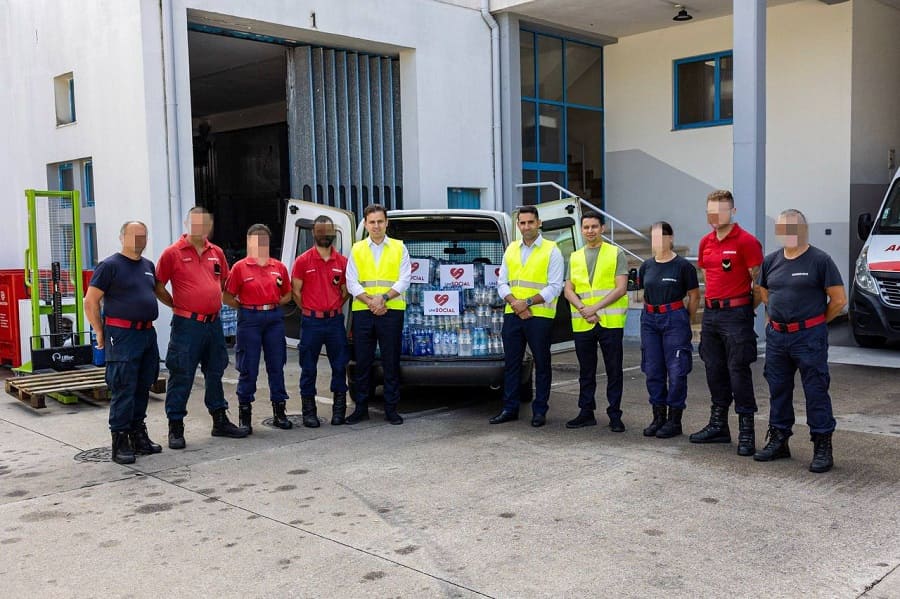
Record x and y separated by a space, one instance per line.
730 258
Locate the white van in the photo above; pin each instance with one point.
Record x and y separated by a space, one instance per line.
875 292
455 237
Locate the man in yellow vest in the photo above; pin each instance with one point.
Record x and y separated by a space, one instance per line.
378 273
598 281
530 280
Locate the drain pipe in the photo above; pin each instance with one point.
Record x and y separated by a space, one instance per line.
495 104
170 113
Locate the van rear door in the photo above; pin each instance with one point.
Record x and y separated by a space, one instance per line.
298 237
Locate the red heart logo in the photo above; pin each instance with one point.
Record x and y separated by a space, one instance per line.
497 272
441 298
457 272
414 266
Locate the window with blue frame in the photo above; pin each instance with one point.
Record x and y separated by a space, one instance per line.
64 92
87 197
562 116
703 91
464 197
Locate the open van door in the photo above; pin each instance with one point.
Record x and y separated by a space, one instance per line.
298 237
561 223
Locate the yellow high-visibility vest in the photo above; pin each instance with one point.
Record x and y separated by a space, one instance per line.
378 279
527 279
591 292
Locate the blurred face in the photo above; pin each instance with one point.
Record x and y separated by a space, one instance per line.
591 230
199 225
791 233
659 241
376 226
134 239
529 226
719 214
324 234
258 245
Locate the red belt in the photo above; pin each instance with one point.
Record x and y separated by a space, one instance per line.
325 314
731 302
793 327
260 307
129 324
195 316
663 308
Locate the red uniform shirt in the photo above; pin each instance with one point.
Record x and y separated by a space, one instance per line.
196 278
256 285
322 280
727 262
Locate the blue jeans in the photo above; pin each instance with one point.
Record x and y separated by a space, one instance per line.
260 332
666 356
806 351
191 344
727 348
387 332
516 333
610 342
132 366
314 333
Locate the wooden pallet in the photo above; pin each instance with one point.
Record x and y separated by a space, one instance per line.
89 383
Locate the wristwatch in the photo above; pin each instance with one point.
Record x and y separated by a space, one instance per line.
386 297
529 301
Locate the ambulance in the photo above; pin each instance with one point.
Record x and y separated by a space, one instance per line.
875 292
446 241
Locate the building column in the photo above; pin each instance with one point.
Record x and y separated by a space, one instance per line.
510 113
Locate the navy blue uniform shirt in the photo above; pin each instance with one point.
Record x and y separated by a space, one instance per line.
127 287
797 287
667 282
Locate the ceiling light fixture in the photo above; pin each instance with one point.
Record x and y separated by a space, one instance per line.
682 14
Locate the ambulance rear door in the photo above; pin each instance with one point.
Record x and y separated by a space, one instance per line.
298 237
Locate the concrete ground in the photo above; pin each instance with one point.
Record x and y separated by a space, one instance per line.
447 505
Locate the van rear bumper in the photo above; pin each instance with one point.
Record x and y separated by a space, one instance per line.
455 372
870 317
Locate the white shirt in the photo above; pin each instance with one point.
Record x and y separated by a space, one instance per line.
555 272
402 283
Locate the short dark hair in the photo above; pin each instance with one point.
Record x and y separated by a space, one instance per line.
529 210
259 229
372 208
720 195
592 214
323 219
666 227
199 210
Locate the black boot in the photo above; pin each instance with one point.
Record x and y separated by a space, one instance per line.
223 427
310 416
672 426
717 430
585 418
776 445
360 413
339 409
746 435
823 460
659 418
176 434
140 441
393 416
122 453
280 419
245 417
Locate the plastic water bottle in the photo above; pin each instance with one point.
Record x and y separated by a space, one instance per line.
465 343
453 345
439 344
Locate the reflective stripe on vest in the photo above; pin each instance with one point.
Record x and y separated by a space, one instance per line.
525 280
604 282
378 279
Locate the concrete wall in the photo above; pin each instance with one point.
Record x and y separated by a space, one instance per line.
875 109
656 173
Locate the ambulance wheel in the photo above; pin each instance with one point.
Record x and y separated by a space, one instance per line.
868 340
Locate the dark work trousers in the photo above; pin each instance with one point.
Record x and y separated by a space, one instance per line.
191 344
516 333
386 331
132 366
314 333
610 342
727 348
260 331
666 356
806 351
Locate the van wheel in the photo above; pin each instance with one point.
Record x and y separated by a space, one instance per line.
868 340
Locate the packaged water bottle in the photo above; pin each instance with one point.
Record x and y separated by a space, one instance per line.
453 346
465 343
439 347
404 341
